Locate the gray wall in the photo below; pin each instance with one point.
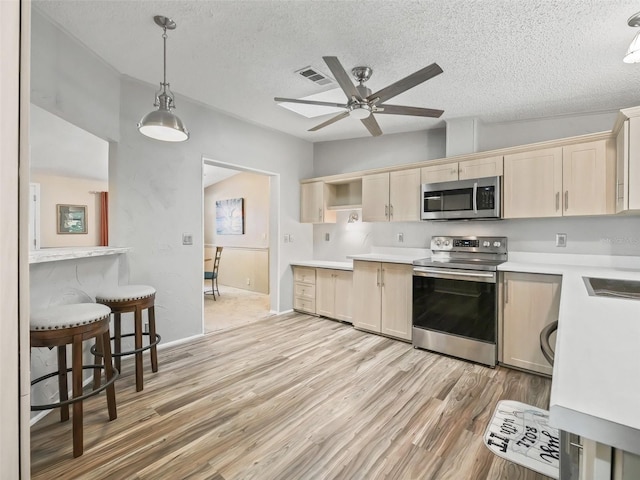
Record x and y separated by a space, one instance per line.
343 156
156 188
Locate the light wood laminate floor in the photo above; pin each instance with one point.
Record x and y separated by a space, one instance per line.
293 397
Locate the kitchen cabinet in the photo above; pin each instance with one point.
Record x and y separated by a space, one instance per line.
313 207
468 169
391 196
628 165
333 294
529 303
560 181
383 293
304 284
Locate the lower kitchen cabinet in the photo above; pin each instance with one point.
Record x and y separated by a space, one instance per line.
333 293
304 298
529 303
383 298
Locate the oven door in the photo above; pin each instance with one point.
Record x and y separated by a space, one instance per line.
455 312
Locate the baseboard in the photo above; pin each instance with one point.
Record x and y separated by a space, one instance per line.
274 312
180 341
44 413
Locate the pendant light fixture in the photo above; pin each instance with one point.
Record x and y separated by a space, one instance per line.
633 52
163 124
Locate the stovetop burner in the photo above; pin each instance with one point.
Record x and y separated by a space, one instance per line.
472 253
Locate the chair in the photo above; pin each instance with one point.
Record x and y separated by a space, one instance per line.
131 299
62 325
213 275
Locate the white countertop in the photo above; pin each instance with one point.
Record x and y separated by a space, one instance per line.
596 374
384 257
69 253
324 264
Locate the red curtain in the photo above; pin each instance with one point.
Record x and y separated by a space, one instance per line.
104 219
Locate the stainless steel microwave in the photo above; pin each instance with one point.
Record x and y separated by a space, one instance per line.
461 199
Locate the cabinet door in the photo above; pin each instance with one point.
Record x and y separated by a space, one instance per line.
634 163
366 292
397 293
325 292
533 184
404 195
312 202
530 302
622 168
343 299
375 197
585 179
481 168
439 173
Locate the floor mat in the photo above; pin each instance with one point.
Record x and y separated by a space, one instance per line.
521 434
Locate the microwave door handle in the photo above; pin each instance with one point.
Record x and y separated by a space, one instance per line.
475 198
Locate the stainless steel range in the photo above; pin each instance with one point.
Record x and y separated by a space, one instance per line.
455 297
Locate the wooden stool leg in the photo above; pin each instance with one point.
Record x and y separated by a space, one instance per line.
62 381
117 333
151 313
76 376
138 345
108 367
97 360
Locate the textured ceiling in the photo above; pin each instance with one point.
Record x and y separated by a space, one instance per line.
503 60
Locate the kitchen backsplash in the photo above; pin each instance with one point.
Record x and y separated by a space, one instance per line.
610 235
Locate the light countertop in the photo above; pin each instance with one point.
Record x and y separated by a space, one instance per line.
324 264
385 257
69 253
596 374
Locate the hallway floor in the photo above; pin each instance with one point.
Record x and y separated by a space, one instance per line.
233 307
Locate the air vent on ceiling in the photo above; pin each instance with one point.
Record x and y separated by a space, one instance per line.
313 74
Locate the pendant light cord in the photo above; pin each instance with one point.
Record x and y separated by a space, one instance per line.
164 38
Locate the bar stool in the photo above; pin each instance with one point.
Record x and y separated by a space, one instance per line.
63 325
126 299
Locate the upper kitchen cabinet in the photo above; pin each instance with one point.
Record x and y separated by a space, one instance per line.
319 200
627 131
570 180
479 168
312 204
391 196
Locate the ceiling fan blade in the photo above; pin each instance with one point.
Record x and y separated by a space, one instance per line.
342 77
372 125
402 110
340 116
311 102
406 83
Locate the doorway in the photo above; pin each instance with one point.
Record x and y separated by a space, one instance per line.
237 215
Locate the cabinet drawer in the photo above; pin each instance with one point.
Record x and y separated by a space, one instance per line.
304 304
306 291
304 275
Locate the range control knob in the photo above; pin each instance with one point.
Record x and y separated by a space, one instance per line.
496 244
486 243
446 243
438 242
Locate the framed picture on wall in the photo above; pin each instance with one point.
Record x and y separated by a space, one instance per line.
230 216
72 218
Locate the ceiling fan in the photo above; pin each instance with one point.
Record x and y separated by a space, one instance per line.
362 103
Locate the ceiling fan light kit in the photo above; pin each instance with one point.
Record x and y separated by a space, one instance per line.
362 104
633 52
162 124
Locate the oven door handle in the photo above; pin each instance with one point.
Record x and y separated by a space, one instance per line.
485 277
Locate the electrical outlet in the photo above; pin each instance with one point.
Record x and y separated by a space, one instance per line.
290 238
187 239
145 328
248 281
327 237
286 238
401 237
561 239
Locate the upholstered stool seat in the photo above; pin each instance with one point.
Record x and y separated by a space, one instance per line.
132 299
59 326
